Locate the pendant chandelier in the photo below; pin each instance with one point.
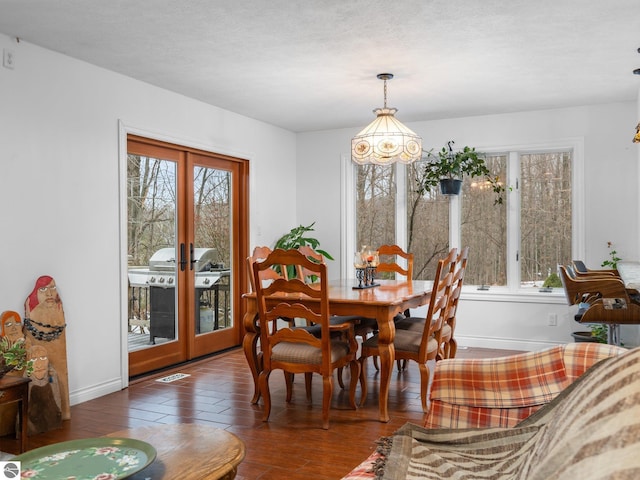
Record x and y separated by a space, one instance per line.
385 140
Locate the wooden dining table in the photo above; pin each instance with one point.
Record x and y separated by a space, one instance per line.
381 302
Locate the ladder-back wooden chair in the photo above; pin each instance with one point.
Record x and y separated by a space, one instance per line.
389 256
296 350
308 276
449 345
258 255
267 275
417 346
394 262
415 323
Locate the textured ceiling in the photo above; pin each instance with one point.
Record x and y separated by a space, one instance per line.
312 65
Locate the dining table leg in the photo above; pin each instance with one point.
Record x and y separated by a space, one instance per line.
386 349
250 345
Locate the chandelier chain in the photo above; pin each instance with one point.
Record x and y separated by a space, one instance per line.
385 93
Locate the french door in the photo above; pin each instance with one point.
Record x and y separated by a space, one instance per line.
187 236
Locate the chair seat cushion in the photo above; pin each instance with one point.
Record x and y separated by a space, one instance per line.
405 341
303 353
415 324
445 333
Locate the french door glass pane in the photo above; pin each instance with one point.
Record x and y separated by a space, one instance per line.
484 227
375 205
212 233
545 202
427 225
151 229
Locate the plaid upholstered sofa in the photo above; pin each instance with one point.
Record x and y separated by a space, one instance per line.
494 394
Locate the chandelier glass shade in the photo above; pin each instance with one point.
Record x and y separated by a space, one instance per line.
385 140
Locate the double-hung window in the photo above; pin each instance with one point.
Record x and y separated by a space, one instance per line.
514 246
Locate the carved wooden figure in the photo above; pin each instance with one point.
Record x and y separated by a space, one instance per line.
11 326
44 325
44 393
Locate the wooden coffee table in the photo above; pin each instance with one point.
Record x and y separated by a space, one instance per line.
188 452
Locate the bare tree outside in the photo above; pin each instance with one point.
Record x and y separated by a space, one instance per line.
212 215
545 197
427 216
427 225
151 215
151 199
544 218
484 228
151 204
375 205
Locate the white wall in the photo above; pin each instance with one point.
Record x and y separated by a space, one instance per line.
59 195
611 207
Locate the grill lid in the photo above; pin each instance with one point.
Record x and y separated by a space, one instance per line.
165 259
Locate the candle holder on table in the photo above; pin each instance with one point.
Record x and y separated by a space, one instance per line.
366 264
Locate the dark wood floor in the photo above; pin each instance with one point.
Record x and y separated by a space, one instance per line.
218 391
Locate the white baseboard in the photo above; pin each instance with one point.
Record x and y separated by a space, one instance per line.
95 391
504 343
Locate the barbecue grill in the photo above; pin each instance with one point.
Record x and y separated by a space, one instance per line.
160 278
162 269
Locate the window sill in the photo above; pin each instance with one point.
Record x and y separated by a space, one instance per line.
503 294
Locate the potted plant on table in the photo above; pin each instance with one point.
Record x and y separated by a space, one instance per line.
13 355
299 237
448 168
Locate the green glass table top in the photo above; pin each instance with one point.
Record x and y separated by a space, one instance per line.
87 459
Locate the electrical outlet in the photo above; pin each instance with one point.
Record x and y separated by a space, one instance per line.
8 58
553 319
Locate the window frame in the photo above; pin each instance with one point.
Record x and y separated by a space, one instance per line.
512 291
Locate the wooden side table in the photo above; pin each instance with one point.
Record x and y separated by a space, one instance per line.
16 389
188 451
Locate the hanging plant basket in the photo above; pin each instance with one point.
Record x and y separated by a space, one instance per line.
450 186
449 166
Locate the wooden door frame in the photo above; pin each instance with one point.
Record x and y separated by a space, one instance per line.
240 231
239 250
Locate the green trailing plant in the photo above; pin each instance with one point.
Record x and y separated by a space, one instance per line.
447 164
612 261
14 355
298 237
